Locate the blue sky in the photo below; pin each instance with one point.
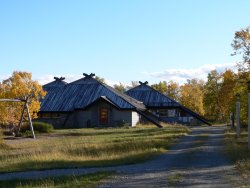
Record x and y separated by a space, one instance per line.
119 40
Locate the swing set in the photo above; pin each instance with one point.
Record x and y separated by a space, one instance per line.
25 102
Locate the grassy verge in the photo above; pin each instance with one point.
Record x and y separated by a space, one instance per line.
87 147
236 149
90 180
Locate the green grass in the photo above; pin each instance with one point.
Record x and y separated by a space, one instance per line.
87 147
90 180
236 149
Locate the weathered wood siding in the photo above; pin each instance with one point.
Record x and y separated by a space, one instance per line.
90 116
124 116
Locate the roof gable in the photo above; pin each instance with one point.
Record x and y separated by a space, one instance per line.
151 97
57 83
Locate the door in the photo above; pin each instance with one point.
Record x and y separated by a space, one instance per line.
103 116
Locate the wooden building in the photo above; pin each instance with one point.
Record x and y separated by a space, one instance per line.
89 103
167 109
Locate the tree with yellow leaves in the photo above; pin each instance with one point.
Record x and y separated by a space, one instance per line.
19 85
191 95
241 46
170 88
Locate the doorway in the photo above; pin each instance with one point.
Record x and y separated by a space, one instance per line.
103 116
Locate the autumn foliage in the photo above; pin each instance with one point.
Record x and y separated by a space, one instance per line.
19 85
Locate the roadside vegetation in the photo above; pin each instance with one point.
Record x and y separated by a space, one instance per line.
90 180
39 127
87 147
237 150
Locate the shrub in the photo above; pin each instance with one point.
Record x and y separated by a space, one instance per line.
39 127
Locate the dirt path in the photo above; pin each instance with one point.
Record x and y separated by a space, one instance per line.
196 161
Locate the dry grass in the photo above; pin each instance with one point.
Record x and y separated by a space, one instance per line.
87 147
237 150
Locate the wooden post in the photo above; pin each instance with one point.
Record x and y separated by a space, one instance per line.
248 119
21 120
238 116
232 119
30 122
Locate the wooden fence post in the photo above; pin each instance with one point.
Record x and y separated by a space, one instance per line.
238 116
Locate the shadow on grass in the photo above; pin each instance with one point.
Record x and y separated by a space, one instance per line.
63 181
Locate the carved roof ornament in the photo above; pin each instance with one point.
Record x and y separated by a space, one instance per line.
143 83
59 79
89 75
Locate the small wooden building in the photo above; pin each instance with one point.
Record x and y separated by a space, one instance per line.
89 103
167 109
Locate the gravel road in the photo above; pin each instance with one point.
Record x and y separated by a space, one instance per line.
197 160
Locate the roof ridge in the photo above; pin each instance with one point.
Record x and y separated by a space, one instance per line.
60 81
121 95
132 101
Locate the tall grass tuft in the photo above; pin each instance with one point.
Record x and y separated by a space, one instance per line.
237 151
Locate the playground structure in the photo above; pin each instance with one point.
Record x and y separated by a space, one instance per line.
25 107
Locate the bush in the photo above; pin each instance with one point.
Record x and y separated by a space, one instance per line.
39 127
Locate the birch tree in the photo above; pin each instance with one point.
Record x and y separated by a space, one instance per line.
19 85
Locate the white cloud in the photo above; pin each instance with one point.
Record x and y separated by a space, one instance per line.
181 75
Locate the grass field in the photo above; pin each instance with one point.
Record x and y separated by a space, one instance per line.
90 180
237 150
87 147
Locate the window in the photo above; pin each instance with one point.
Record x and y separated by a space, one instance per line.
103 115
163 112
171 113
166 113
